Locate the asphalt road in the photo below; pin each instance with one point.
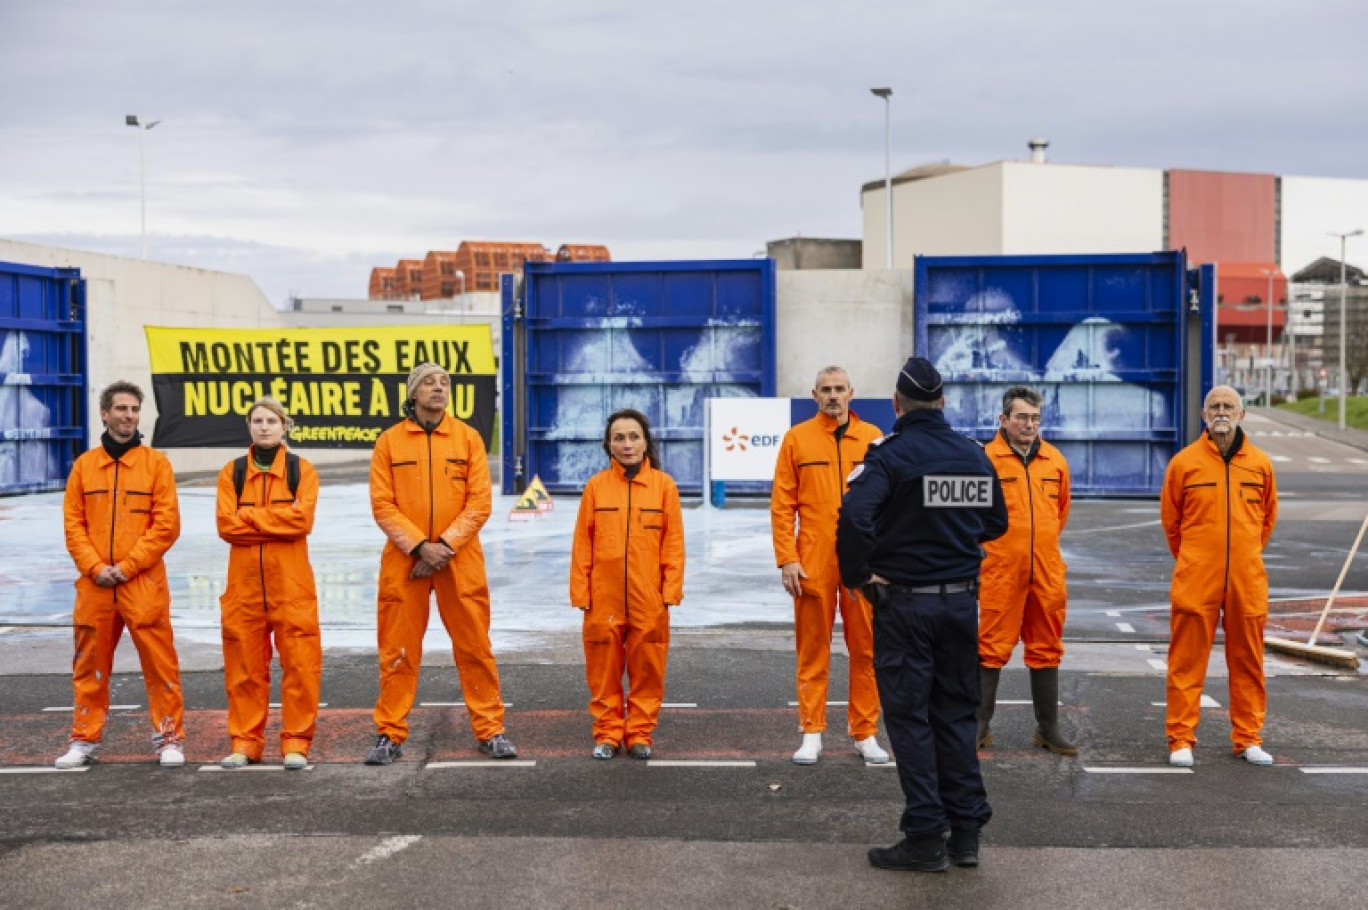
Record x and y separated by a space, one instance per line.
736 825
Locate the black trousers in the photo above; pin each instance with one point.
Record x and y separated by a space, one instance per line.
926 663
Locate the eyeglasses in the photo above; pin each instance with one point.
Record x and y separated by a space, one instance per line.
1026 418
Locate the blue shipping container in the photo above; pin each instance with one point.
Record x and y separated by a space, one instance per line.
42 376
586 339
1104 338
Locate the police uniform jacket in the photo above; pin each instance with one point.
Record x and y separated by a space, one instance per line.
888 527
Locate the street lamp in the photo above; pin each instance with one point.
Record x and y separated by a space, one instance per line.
1344 299
132 120
1268 384
886 94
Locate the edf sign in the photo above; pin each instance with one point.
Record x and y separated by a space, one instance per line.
744 435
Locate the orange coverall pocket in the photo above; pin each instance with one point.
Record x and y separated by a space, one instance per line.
812 485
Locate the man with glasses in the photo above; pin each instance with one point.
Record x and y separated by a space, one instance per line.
1218 508
1022 593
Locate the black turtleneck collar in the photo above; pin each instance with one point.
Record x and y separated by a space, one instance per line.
115 449
631 470
1031 452
1235 444
263 457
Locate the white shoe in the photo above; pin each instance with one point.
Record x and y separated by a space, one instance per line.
811 748
296 761
1181 758
171 756
870 751
1256 756
78 755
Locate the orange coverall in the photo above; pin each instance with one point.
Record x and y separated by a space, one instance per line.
626 564
809 481
1218 515
123 513
425 488
1022 594
270 593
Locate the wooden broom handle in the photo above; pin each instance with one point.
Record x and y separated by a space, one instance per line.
1343 572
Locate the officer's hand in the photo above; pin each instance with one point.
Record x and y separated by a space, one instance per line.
792 574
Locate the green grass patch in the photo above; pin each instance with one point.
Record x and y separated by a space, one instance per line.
1355 410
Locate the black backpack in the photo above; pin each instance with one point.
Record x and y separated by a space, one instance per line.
291 474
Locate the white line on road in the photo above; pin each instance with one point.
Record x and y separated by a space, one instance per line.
1144 769
387 848
43 770
1279 458
111 707
1114 614
1357 460
1316 459
1157 664
1142 647
1206 701
1126 627
496 763
679 704
701 763
1330 769
1143 524
794 704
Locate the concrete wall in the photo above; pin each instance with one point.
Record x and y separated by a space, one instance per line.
1060 209
1314 206
861 320
957 214
814 253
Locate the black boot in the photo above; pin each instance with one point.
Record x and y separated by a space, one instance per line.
924 854
963 846
1045 697
988 686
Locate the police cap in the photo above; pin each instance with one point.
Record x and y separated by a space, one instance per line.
919 380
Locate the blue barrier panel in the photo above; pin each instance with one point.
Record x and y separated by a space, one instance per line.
587 339
1102 337
42 376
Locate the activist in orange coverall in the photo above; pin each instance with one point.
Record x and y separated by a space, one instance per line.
270 593
1022 594
1218 508
815 459
626 572
430 494
121 516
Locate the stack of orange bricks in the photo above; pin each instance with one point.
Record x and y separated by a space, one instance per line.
473 266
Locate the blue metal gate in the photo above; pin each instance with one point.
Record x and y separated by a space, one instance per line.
42 376
582 340
1103 337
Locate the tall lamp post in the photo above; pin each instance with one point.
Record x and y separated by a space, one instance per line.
886 94
1268 383
1343 328
142 128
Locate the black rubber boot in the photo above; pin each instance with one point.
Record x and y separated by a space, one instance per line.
1045 697
988 686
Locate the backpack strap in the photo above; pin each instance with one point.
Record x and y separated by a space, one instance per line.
239 476
292 473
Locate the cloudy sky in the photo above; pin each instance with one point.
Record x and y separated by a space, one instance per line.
303 142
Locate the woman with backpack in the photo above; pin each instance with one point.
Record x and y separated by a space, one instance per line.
266 502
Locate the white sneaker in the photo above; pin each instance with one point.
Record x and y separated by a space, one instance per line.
1256 756
1181 758
79 754
811 748
870 751
172 756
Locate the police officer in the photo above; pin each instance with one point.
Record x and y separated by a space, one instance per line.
909 535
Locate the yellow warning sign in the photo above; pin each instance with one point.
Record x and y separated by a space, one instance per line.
526 508
543 498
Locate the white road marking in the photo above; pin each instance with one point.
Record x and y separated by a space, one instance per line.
700 763
1157 663
885 764
43 770
1144 769
111 707
1142 647
794 704
1142 524
1316 459
1283 458
387 848
257 767
494 763
1126 627
1206 701
1114 614
1330 769
1014 701
679 704
451 704
1357 460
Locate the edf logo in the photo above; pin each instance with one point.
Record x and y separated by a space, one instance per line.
738 441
